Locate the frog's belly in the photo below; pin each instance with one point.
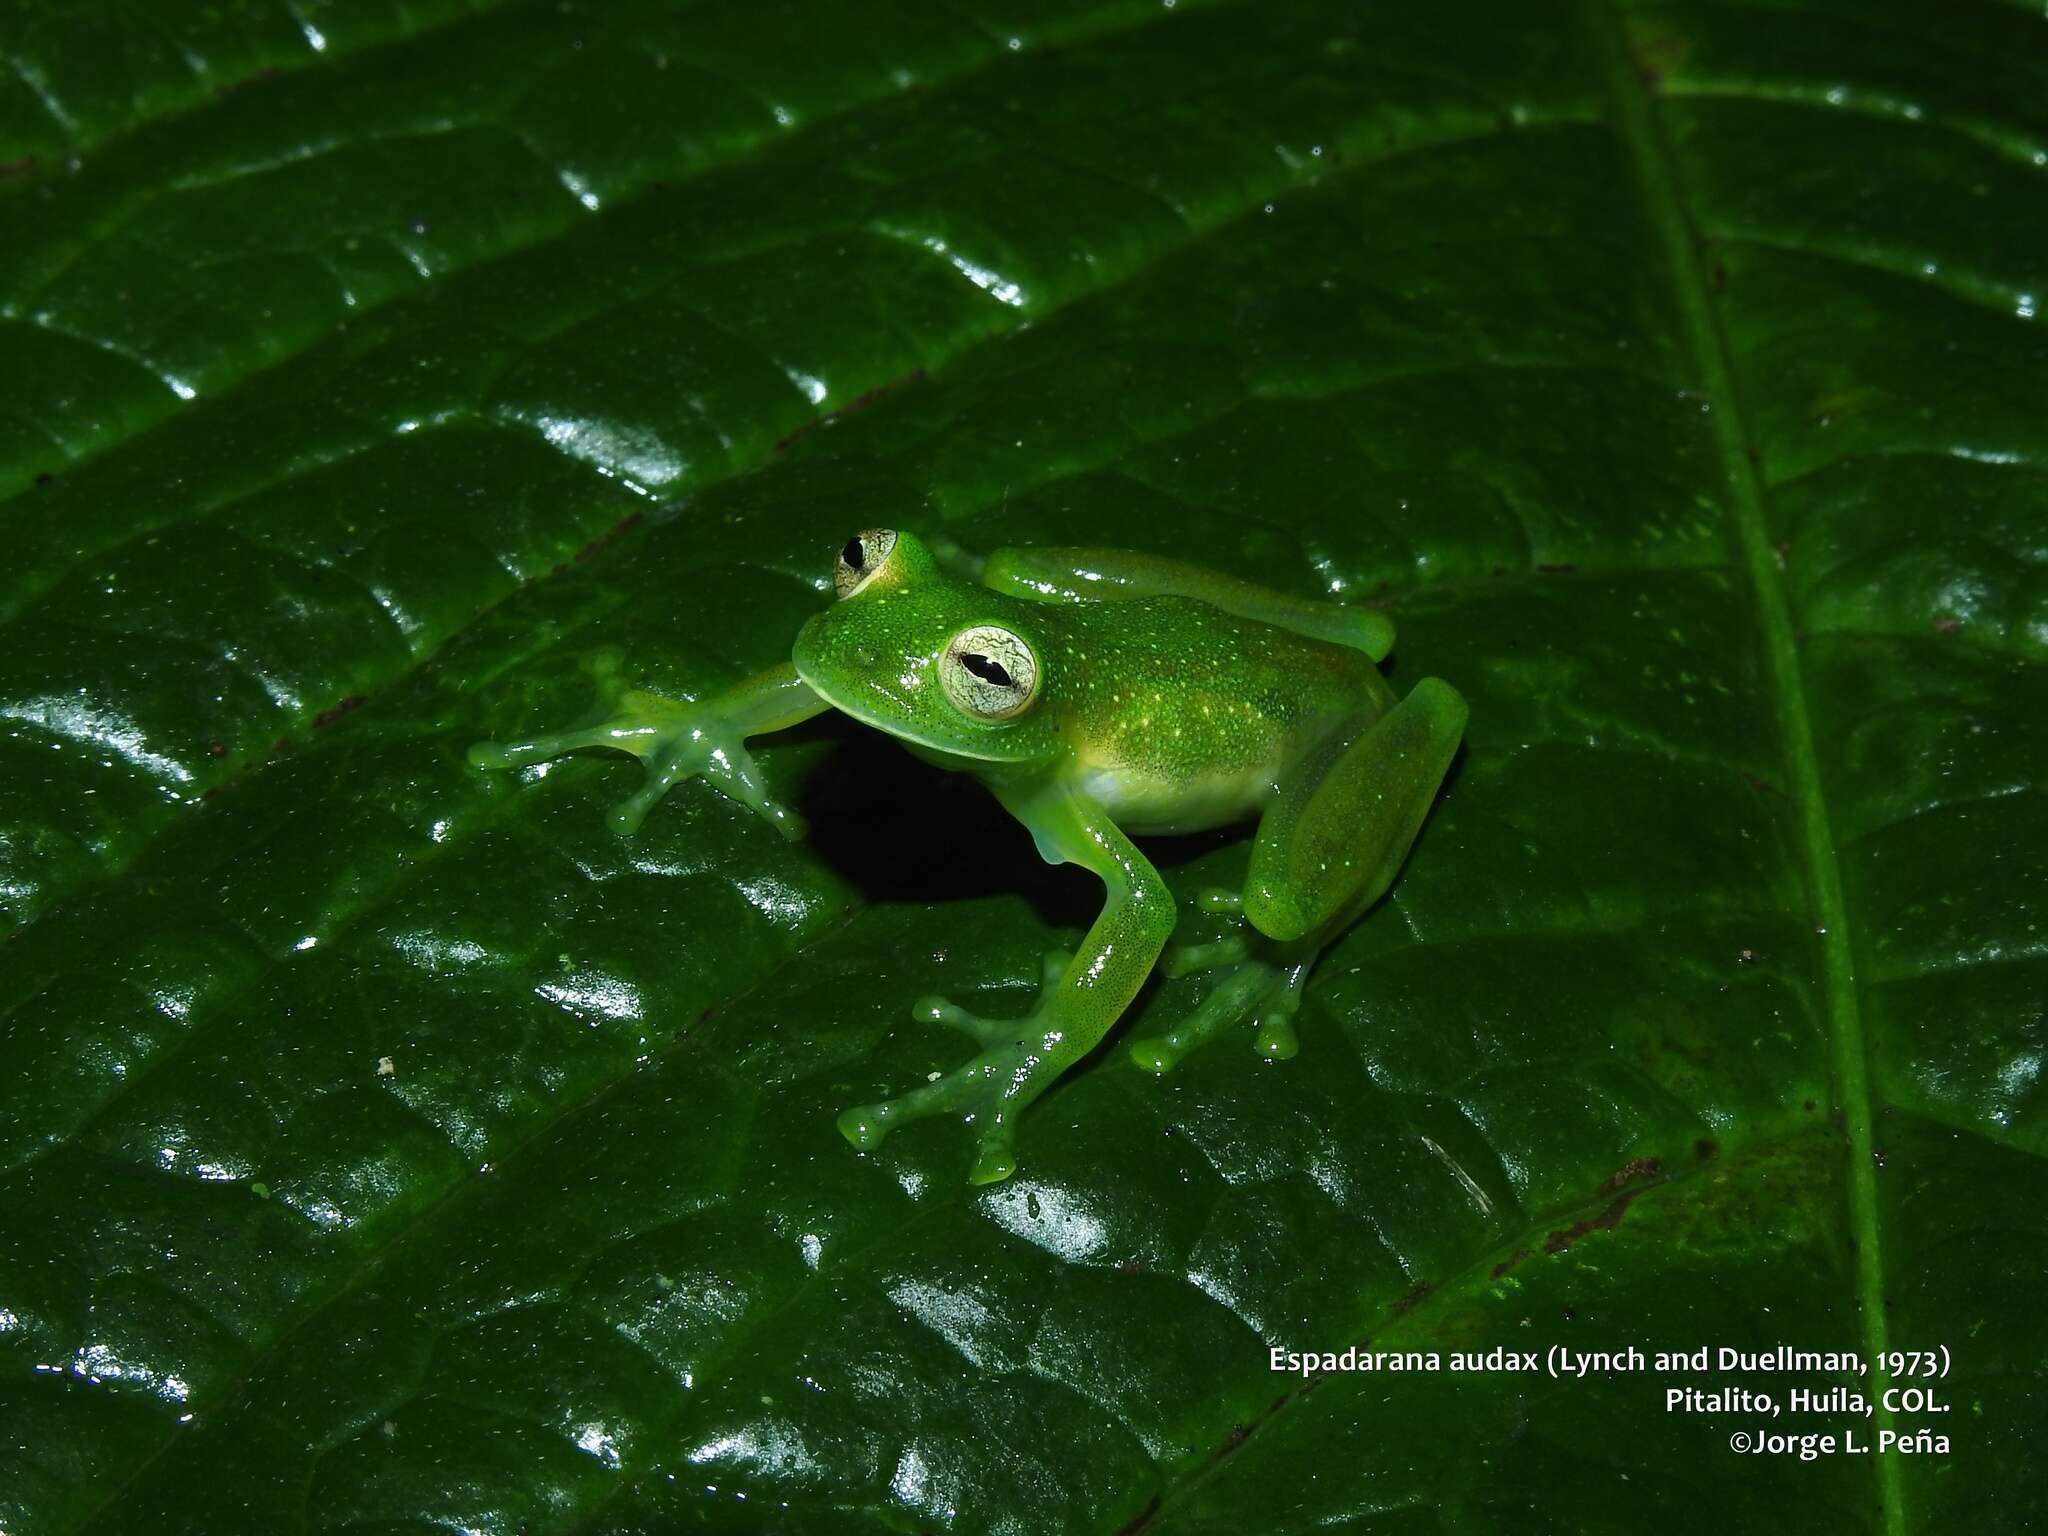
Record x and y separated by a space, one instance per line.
1152 806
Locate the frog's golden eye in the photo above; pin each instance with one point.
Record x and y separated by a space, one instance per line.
989 672
862 557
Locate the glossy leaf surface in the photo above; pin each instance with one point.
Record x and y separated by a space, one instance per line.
390 1148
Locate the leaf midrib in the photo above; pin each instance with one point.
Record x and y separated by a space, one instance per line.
1636 124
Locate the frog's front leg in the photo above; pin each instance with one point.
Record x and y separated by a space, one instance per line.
1076 1007
678 739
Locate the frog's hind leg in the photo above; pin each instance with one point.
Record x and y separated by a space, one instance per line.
1106 575
1265 991
1328 848
1332 842
1186 959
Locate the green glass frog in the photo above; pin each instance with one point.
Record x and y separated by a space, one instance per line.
1097 693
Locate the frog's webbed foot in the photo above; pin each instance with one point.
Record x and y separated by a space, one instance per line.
991 1032
988 1092
674 738
1265 992
1186 959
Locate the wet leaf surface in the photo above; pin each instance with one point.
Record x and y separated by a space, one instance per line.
391 1148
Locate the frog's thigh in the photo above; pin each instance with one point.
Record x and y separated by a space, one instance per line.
1338 832
1102 575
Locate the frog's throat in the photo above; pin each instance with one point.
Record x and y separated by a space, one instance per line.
898 727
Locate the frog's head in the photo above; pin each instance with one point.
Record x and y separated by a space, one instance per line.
942 663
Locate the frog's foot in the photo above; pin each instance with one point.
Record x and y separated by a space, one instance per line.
1186 959
993 1032
981 1093
674 739
1015 1066
1265 992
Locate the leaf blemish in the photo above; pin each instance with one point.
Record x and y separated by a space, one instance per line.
328 716
1629 1172
1564 1237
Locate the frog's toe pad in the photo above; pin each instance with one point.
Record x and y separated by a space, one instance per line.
1255 991
865 1125
1275 1038
1156 1055
985 1093
993 1162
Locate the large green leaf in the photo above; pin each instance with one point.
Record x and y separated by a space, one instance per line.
392 1148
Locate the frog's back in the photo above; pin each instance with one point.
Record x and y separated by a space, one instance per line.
1181 715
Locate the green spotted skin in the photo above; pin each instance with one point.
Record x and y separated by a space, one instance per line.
1171 714
1097 693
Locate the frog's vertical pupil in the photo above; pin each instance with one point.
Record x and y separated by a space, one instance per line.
988 671
853 555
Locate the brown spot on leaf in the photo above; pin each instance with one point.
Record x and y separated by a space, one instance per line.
1142 1519
1564 1237
1409 1298
1635 1168
1706 1148
216 749
349 705
1510 1262
1946 625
